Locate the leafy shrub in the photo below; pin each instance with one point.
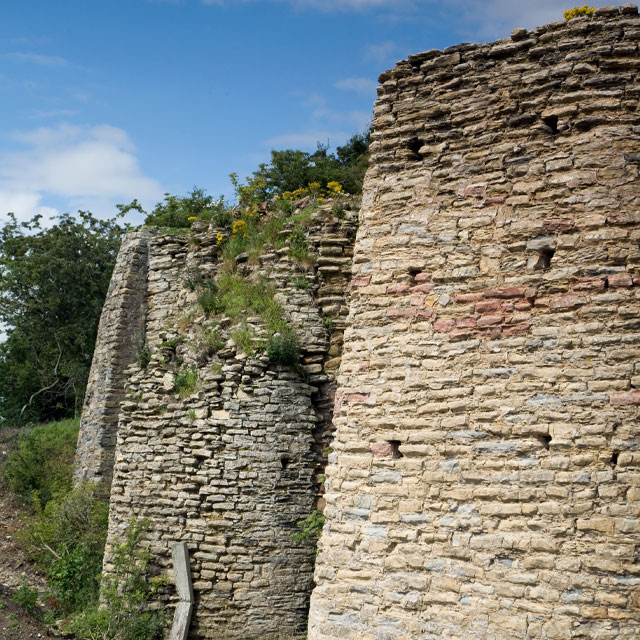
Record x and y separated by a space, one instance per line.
42 463
66 540
337 209
26 598
208 298
283 348
310 527
125 594
186 381
212 340
301 282
585 10
298 247
179 212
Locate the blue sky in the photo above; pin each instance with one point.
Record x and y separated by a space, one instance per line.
103 101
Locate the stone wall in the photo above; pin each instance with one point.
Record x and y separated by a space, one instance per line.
230 467
484 481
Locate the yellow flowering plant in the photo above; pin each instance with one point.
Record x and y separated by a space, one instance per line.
585 10
239 229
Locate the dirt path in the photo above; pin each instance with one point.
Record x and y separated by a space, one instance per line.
15 569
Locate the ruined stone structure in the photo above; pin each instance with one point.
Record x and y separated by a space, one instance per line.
485 479
483 482
231 466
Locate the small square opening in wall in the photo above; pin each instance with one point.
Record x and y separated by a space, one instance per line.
395 448
552 123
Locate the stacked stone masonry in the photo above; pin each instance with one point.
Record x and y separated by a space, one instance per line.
485 479
231 467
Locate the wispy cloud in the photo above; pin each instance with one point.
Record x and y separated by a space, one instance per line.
41 114
86 167
37 58
380 52
490 19
359 85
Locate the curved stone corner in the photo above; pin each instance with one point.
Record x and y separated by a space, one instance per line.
121 332
484 482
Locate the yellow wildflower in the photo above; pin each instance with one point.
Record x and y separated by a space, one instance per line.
585 10
239 228
191 218
334 186
219 238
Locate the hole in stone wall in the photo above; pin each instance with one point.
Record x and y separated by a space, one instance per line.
552 123
546 441
614 458
545 258
284 462
414 146
395 448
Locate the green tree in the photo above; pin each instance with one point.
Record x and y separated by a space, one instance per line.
291 169
178 212
53 282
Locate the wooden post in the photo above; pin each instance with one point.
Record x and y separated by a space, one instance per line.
182 577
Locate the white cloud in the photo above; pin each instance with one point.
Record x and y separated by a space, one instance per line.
359 85
83 167
24 204
490 19
379 52
36 58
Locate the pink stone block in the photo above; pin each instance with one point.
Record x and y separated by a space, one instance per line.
356 398
466 323
468 297
517 329
360 281
625 398
443 325
489 320
567 302
398 288
507 292
620 280
381 449
423 288
558 225
589 285
486 306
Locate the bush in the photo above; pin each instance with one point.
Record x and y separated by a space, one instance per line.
298 247
283 348
42 463
26 598
179 212
186 381
123 613
66 539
